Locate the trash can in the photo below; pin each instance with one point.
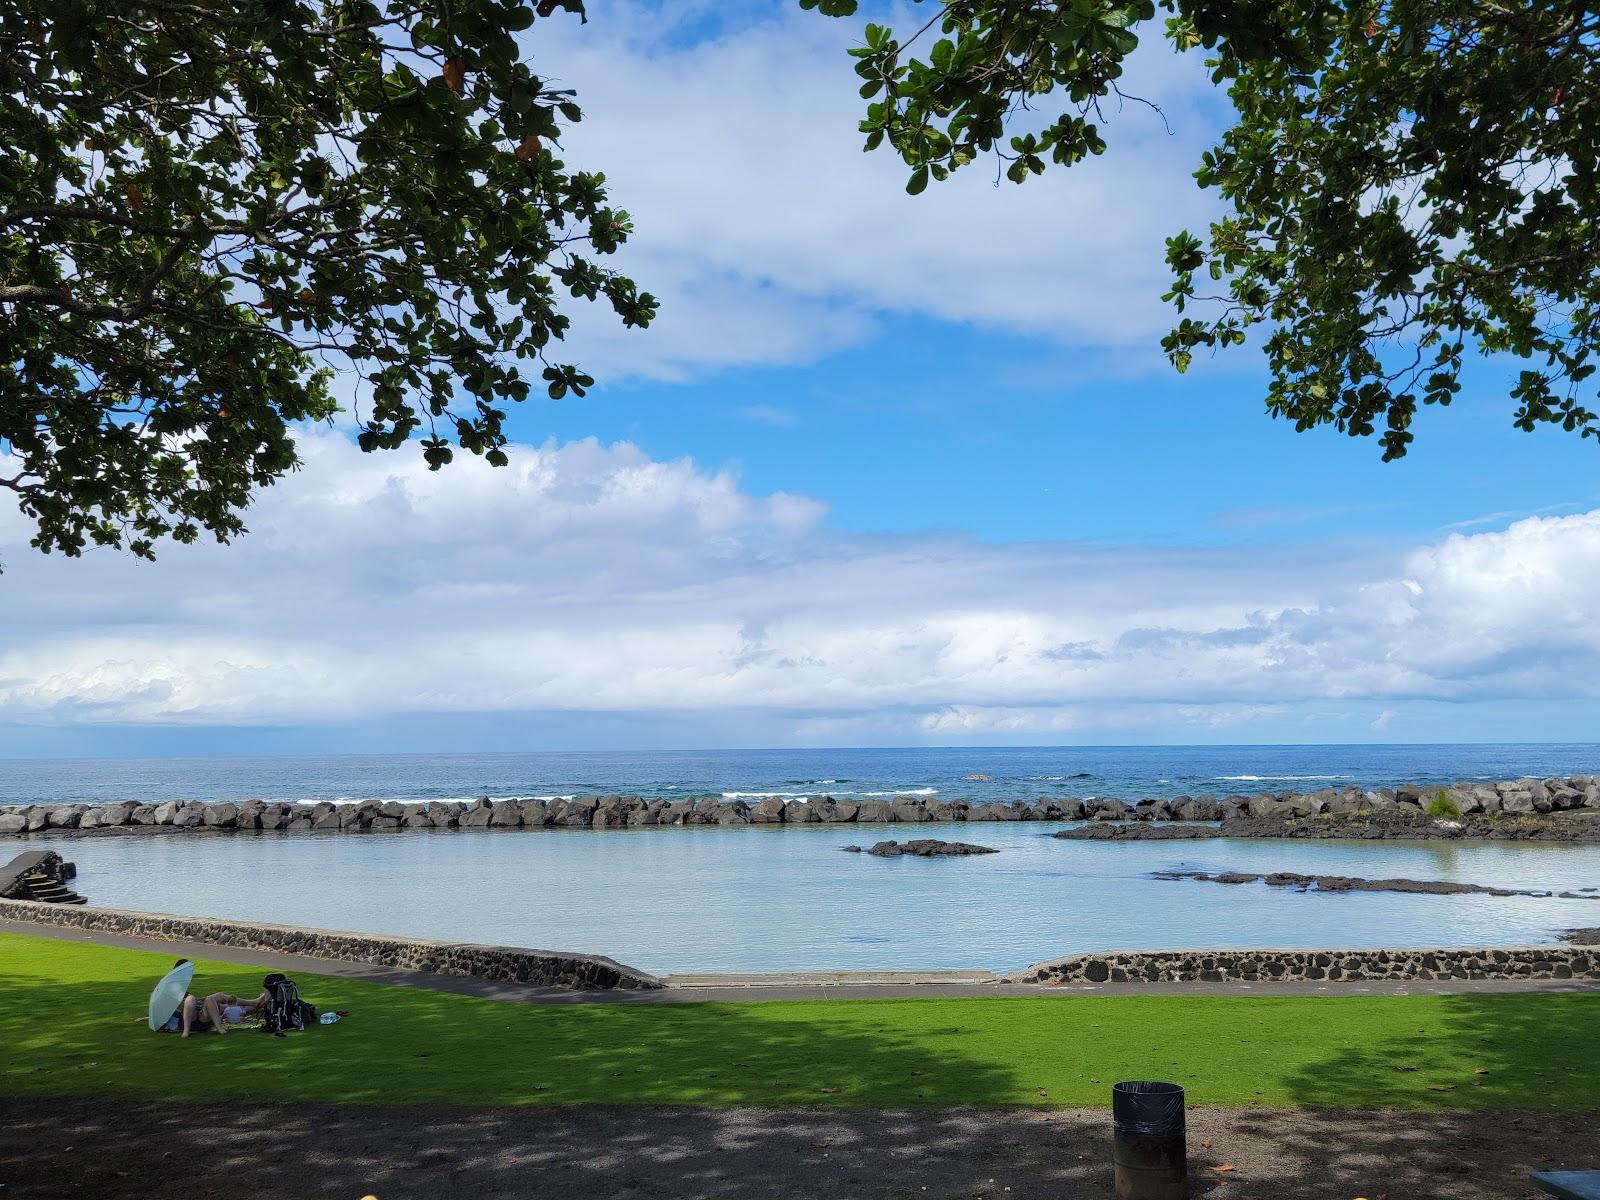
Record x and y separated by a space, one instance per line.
1148 1152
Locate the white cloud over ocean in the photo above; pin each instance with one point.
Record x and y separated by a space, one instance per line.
593 579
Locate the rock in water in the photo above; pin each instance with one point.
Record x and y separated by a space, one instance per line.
928 848
1112 831
1348 883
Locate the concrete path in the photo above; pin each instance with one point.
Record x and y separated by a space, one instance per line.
682 989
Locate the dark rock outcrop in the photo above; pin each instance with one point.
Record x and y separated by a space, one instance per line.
928 848
1408 824
1348 883
1117 832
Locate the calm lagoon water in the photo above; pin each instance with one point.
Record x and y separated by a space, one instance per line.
767 899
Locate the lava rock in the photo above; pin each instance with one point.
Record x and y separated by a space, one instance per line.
1114 831
768 811
928 848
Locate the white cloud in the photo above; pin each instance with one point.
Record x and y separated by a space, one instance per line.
772 237
594 579
964 722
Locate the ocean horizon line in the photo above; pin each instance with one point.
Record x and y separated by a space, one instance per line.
940 748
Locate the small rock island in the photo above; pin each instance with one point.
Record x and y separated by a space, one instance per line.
928 848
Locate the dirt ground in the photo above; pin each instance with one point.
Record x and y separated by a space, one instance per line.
118 1149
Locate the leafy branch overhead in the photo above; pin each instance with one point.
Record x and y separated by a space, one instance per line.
217 214
1410 182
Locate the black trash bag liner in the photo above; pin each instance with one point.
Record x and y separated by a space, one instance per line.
1146 1107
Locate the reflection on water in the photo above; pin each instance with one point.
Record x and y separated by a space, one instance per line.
763 899
1443 858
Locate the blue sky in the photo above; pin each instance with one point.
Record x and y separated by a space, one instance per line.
888 470
923 428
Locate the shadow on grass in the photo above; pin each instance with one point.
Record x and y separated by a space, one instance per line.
83 1037
1455 1112
1477 1051
723 1101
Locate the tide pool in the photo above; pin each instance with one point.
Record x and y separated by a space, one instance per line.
770 899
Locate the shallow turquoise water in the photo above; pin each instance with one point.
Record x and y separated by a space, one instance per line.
768 899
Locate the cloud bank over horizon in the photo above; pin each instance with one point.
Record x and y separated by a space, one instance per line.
592 579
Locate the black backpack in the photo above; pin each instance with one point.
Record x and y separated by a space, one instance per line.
284 1011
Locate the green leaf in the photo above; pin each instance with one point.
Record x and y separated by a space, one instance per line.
222 257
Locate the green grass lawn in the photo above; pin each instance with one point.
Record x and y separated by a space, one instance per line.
72 1023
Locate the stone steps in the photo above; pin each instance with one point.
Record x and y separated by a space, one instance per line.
43 890
38 876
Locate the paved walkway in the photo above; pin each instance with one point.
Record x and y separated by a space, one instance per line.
685 989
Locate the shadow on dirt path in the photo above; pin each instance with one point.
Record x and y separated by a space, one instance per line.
119 1150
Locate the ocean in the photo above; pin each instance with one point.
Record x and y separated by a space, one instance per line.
980 774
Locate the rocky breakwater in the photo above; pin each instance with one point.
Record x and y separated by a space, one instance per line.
544 968
1558 810
578 812
1314 966
1554 809
1575 826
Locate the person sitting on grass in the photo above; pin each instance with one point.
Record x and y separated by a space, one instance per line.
215 1012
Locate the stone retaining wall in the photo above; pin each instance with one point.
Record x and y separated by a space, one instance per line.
545 968
1291 966
554 969
1533 796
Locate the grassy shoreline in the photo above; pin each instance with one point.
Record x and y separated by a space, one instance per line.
71 1019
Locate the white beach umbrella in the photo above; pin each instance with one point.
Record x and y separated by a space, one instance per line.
169 994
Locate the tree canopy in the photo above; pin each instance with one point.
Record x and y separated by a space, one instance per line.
1410 183
222 217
